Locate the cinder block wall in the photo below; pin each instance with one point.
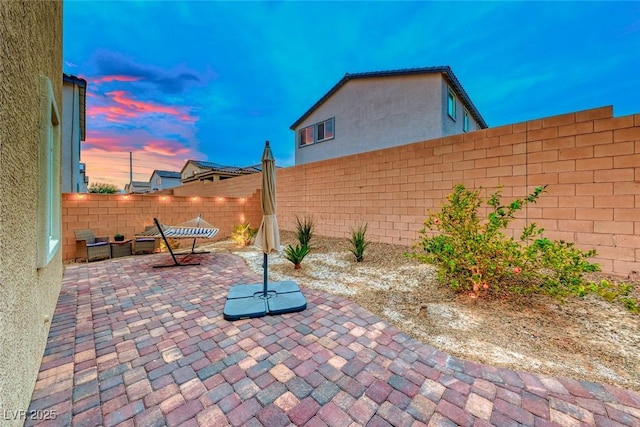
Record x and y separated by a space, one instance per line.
108 214
590 160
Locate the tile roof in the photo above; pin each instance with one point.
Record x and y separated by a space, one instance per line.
217 167
167 174
445 70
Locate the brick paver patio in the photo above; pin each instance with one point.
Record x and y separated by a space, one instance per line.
135 346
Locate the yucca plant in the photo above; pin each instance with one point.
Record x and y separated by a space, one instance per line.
304 230
358 241
296 254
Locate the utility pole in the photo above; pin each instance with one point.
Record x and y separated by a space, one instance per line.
130 168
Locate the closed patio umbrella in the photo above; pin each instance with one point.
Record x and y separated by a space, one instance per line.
256 300
268 237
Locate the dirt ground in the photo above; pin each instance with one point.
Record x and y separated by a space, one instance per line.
586 339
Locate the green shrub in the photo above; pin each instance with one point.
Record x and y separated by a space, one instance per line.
103 188
473 254
296 254
358 242
612 292
304 230
243 234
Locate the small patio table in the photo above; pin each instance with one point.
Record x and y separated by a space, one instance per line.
119 249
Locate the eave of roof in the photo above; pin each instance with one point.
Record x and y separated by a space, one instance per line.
445 70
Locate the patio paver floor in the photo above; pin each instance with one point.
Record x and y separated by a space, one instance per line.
130 345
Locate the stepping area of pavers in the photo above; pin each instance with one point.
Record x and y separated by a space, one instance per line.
131 345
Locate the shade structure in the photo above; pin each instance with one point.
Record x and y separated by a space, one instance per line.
249 300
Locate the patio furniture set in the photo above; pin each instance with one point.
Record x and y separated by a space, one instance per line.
92 248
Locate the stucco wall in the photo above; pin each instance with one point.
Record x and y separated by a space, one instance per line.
449 125
70 156
31 45
375 113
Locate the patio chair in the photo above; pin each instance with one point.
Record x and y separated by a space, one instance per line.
145 244
91 248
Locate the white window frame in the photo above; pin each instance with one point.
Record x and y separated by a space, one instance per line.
305 131
324 123
451 103
465 121
49 191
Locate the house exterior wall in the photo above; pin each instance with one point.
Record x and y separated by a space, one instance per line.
72 179
452 126
376 113
190 169
30 47
162 183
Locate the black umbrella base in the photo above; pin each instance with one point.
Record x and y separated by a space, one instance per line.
248 301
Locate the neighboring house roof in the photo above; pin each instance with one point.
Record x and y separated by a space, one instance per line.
167 174
217 167
82 84
137 187
445 70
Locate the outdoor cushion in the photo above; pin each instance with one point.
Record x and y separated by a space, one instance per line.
90 245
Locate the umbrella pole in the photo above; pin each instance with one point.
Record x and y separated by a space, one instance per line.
266 266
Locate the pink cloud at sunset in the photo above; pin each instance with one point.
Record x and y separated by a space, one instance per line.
166 148
98 80
119 106
112 114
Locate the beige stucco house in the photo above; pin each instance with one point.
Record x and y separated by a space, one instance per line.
30 226
196 170
74 90
369 111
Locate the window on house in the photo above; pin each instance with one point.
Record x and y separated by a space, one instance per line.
465 121
325 130
306 135
451 104
49 208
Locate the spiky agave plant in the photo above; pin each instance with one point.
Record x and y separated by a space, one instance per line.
296 254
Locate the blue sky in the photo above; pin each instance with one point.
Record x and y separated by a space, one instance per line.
171 81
